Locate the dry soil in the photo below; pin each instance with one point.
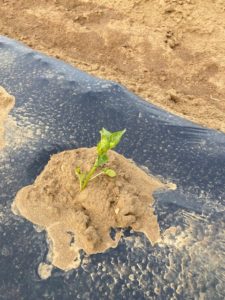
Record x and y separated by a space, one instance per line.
170 52
6 104
77 220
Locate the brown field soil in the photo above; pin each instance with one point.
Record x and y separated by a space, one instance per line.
170 52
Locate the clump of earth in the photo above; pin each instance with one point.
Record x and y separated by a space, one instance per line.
77 220
7 102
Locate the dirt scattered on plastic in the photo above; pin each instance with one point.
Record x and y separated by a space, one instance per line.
77 220
170 52
197 249
7 102
16 135
44 270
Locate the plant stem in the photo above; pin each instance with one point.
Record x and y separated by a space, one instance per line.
97 175
89 175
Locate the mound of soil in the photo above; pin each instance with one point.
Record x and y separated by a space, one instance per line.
77 220
6 104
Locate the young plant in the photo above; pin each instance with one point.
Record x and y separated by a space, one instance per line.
109 140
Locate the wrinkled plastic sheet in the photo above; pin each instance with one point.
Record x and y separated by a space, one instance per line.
59 107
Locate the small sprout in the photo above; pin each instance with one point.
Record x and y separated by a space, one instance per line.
109 140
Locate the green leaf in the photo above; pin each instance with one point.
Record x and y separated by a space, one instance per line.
109 172
109 140
104 144
78 171
115 138
105 133
101 160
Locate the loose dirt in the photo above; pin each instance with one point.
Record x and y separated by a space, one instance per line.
170 52
6 104
77 220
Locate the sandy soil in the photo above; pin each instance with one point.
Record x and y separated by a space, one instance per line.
170 52
6 104
77 220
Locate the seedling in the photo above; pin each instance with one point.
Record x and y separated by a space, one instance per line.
109 140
